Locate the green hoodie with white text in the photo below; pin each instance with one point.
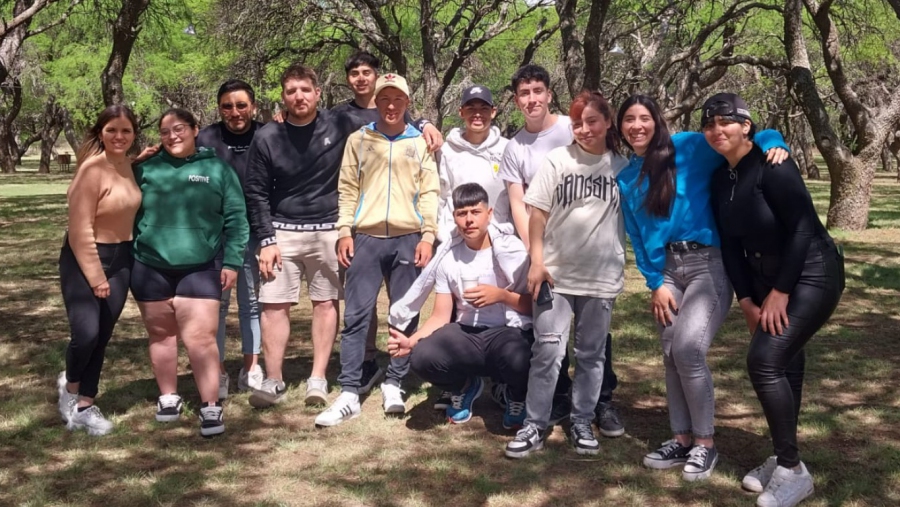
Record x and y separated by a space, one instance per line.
191 209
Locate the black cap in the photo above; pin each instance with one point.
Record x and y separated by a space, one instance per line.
477 92
725 104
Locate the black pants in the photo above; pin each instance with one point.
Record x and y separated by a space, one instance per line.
455 353
91 319
610 381
776 363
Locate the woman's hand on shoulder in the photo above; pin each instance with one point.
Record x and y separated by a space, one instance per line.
147 152
776 156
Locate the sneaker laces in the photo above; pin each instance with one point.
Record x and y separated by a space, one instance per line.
697 456
207 413
583 431
515 408
93 413
527 433
456 401
169 400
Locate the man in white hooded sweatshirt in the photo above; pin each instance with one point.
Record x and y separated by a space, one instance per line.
472 155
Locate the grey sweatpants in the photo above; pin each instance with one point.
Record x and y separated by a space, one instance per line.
551 337
374 260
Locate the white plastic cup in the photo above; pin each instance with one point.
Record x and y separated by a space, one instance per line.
469 282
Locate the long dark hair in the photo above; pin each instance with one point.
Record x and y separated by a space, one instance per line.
92 144
597 101
659 160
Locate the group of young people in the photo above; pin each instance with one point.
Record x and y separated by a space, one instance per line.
514 237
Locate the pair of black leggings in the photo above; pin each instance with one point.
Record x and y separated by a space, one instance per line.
92 319
776 362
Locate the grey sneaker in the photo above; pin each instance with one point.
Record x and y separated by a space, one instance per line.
700 464
670 454
224 381
211 421
786 488
90 419
316 391
756 479
608 421
528 439
252 379
271 392
67 401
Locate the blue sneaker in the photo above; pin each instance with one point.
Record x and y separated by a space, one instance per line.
514 415
460 409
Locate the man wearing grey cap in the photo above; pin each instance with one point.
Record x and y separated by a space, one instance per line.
472 154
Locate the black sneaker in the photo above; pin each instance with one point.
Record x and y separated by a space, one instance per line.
700 464
608 421
499 394
670 454
443 401
528 439
211 421
559 412
583 439
168 408
371 374
270 393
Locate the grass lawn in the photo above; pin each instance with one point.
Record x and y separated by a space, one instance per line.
849 431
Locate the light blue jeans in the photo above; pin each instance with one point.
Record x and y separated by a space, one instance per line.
551 337
701 289
248 308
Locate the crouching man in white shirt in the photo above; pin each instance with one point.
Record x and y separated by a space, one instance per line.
484 269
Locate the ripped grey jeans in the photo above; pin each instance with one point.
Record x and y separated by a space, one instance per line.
551 337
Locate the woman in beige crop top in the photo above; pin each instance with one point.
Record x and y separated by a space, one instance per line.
95 261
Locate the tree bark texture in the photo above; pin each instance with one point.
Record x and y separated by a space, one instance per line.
125 31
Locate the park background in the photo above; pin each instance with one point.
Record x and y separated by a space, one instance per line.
825 73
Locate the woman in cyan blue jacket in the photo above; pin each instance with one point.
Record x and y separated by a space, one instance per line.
666 204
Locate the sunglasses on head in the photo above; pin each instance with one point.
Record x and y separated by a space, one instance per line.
724 109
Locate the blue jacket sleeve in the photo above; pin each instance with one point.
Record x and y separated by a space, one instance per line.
652 275
692 150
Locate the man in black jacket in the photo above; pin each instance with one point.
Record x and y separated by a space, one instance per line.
231 138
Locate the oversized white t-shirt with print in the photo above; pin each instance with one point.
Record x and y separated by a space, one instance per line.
584 241
526 151
462 260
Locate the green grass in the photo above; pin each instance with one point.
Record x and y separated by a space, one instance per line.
849 429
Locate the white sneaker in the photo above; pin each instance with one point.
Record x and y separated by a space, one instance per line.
224 380
756 479
344 408
251 380
392 396
316 391
67 401
786 488
90 419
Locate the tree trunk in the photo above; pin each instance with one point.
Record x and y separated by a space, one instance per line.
49 133
593 53
572 52
809 156
850 193
126 28
69 131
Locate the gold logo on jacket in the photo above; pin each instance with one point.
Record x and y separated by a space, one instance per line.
411 153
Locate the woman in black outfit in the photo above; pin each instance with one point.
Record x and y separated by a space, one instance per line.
788 275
